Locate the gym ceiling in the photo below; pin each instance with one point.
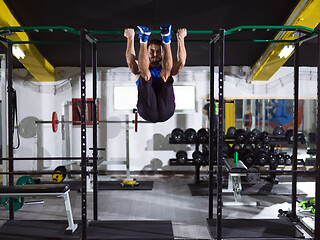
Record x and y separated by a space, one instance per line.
193 15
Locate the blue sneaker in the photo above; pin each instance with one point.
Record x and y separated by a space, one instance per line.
166 33
144 34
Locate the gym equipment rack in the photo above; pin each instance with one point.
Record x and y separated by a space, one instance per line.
220 41
217 36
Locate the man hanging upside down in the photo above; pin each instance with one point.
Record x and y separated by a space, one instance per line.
154 71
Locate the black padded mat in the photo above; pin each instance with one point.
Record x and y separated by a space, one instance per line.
73 185
133 230
110 185
39 229
116 185
117 230
263 188
256 228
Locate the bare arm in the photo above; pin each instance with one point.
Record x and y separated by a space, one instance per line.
181 52
130 52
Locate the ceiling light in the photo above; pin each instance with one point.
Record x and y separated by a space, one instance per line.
286 51
17 52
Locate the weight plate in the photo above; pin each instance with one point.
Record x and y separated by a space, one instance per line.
18 202
231 132
25 180
54 122
59 175
129 183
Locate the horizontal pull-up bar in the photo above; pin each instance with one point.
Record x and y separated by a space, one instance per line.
39 29
99 41
301 29
137 41
213 33
155 32
4 30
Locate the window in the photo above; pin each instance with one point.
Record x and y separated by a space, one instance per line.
125 98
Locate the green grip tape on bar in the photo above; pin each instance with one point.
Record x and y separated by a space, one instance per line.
235 157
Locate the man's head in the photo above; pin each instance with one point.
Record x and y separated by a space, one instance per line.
155 51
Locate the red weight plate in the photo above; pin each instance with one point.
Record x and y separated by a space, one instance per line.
136 121
54 121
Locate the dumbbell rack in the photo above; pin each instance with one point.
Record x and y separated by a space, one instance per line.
274 141
188 162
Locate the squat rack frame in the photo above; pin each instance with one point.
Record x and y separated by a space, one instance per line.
220 40
84 37
218 36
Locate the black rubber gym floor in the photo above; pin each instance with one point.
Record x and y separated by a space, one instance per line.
263 188
256 228
117 230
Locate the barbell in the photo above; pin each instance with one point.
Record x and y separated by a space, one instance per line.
55 121
18 202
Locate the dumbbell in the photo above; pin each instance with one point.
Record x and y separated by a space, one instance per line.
289 135
259 146
288 159
198 158
181 157
261 157
251 137
190 135
236 147
248 158
266 147
248 146
205 150
206 159
278 131
177 135
203 135
240 136
280 159
226 149
272 160
265 137
256 132
231 132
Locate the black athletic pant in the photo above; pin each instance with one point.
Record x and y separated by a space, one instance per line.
159 105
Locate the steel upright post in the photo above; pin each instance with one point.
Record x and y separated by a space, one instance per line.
83 134
220 132
95 134
10 125
295 131
317 217
212 142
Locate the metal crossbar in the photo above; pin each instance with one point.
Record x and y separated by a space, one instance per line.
212 33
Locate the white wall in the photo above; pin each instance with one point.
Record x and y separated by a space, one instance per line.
149 147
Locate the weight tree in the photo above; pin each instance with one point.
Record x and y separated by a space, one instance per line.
220 39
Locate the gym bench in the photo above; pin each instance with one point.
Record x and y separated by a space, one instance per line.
234 182
59 190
